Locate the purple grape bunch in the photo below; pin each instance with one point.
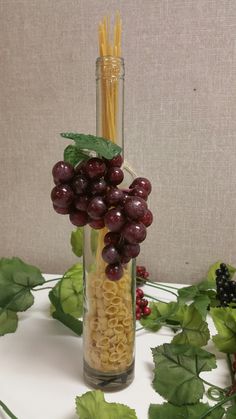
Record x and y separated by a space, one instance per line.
89 194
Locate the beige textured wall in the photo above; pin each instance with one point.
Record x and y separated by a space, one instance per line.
180 123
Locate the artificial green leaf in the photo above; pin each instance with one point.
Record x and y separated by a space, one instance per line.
8 321
201 303
76 241
92 405
153 321
231 412
69 291
184 363
188 293
170 411
67 319
225 323
199 295
101 146
73 155
194 329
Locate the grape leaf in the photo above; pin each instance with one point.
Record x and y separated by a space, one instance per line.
76 241
231 413
225 322
101 146
69 291
201 294
93 405
184 363
194 329
73 155
170 411
161 312
8 321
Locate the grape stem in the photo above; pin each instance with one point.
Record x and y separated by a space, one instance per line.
225 400
7 410
151 284
229 361
213 385
41 289
153 298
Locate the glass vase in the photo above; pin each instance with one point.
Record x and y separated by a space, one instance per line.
109 306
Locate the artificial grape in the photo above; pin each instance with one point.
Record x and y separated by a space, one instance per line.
62 195
114 196
80 184
114 219
134 232
139 293
143 303
112 238
114 271
110 254
223 267
79 218
130 250
147 219
61 210
138 315
146 311
95 168
219 272
96 208
138 191
97 224
115 162
98 187
81 202
135 208
62 172
124 259
114 175
138 302
142 182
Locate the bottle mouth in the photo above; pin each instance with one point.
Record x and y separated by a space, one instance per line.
110 67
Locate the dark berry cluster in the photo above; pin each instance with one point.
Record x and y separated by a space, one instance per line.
142 309
225 286
142 272
89 193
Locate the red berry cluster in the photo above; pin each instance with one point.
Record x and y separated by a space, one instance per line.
142 272
89 194
142 309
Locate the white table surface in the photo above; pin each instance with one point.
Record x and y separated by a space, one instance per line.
41 366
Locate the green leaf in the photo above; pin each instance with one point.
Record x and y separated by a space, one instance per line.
181 385
225 323
73 155
101 146
231 413
188 293
76 241
170 411
69 321
194 329
161 312
69 291
92 405
8 322
201 303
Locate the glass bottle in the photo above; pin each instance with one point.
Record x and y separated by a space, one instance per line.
109 306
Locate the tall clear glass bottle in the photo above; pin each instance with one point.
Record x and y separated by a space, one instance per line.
109 306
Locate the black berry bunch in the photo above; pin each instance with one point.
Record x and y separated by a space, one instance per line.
89 194
225 286
142 309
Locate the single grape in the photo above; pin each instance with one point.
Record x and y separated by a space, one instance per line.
135 208
62 172
112 238
80 184
138 191
147 219
61 210
81 202
146 311
130 250
114 175
114 196
62 195
143 183
79 218
110 254
114 219
97 224
134 232
114 271
96 208
124 259
95 168
98 187
115 162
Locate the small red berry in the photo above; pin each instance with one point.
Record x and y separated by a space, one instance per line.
143 303
138 309
139 293
138 316
138 301
146 311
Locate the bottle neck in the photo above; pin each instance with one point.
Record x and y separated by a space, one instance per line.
110 99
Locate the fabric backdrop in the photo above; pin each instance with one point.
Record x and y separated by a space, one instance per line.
180 122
